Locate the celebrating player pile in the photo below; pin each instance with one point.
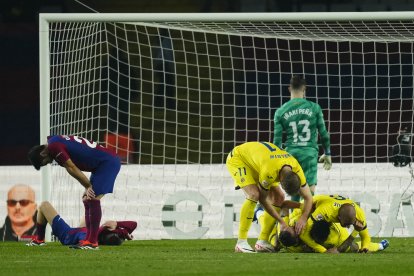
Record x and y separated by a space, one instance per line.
258 167
326 230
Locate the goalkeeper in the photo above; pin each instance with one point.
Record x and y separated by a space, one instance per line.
110 233
302 120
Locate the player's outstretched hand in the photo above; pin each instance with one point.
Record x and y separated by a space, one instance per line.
110 224
300 224
332 250
363 250
90 194
327 161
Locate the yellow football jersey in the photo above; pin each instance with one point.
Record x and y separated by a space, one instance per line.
337 235
291 221
327 207
267 160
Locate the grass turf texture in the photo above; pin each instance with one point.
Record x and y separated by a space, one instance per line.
198 257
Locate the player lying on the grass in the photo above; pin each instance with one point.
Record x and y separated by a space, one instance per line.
78 154
337 239
332 236
110 233
257 168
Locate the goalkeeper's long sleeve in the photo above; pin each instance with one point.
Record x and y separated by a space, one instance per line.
325 139
278 131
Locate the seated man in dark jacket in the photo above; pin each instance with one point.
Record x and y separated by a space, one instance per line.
21 214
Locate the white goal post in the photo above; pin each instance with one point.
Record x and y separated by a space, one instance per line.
183 89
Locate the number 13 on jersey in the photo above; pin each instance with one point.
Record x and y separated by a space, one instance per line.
304 133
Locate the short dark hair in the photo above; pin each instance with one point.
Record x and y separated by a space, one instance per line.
109 238
34 156
320 231
287 239
296 82
291 183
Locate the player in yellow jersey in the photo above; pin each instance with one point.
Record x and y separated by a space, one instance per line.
337 239
338 209
257 168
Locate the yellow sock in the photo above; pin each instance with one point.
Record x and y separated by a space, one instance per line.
272 237
267 223
373 246
246 217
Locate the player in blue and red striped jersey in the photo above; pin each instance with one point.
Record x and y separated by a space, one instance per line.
110 233
78 154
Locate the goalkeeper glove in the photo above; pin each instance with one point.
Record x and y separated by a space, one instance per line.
326 160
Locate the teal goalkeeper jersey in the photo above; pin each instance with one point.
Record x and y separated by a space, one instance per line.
302 120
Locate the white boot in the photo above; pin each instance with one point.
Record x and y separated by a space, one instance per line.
263 246
244 247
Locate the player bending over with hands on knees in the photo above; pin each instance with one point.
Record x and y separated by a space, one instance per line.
110 233
257 168
78 154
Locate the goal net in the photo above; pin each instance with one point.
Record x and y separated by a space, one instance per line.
174 93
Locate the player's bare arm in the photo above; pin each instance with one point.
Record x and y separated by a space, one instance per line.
332 250
307 208
269 208
290 204
346 244
110 224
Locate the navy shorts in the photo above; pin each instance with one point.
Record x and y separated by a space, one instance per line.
66 234
103 178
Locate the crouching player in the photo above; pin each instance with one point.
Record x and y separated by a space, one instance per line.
110 233
341 210
258 168
78 154
338 209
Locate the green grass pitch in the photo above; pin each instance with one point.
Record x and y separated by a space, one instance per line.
198 257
